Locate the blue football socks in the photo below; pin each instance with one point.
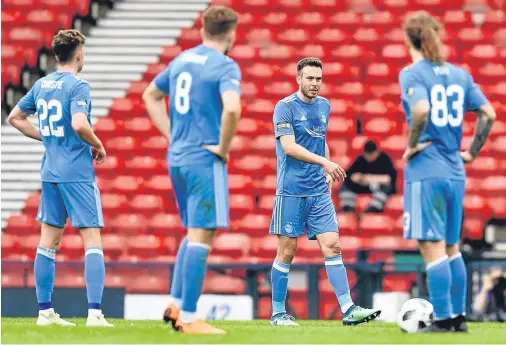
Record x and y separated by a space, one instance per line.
176 287
279 280
44 270
459 284
439 282
94 275
194 271
336 272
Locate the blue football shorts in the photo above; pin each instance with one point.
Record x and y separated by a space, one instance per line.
78 200
202 194
433 210
293 216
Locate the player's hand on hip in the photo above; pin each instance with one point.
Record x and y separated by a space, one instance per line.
99 154
411 151
216 150
466 156
328 180
334 170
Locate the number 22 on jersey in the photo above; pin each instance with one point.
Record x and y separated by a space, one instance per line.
447 105
53 106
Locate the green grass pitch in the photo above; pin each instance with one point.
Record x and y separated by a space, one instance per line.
23 331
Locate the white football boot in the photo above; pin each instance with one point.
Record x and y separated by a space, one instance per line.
48 317
283 319
96 319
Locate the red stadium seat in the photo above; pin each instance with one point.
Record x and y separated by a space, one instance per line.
395 205
394 282
148 283
159 184
169 53
371 224
256 225
494 185
238 184
112 203
72 246
240 204
293 36
233 245
473 228
9 244
268 247
266 204
379 126
32 204
129 224
348 223
12 279
170 245
145 165
28 245
106 127
476 206
147 204
113 244
109 167
341 127
482 166
126 184
156 145
224 284
331 36
498 206
165 224
144 246
346 20
22 224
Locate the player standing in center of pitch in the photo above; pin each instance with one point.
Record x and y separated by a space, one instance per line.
435 96
204 87
303 201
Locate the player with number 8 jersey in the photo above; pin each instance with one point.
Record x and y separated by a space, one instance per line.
204 87
435 96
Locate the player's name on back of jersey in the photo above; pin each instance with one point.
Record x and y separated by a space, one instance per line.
52 84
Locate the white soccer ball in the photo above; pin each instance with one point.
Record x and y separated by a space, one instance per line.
415 314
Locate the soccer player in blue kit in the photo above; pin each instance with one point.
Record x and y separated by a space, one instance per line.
203 85
62 103
435 96
303 201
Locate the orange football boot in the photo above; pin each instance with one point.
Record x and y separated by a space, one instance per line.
197 327
171 314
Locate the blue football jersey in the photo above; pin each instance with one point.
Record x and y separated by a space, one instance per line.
451 92
194 81
55 98
308 122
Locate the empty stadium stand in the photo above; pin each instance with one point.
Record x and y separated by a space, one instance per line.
361 44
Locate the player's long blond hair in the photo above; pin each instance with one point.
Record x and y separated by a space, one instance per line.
423 32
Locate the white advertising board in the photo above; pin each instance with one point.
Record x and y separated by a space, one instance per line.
210 307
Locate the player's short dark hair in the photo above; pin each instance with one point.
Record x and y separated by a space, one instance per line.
65 44
309 61
219 20
370 146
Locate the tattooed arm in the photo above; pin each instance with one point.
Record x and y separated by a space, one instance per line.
419 116
486 117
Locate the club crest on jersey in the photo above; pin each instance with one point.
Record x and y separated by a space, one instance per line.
323 117
288 228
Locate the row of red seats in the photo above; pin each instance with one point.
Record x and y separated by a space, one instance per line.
63 6
394 6
255 221
231 245
312 19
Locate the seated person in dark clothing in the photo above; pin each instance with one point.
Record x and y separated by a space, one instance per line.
373 173
490 303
